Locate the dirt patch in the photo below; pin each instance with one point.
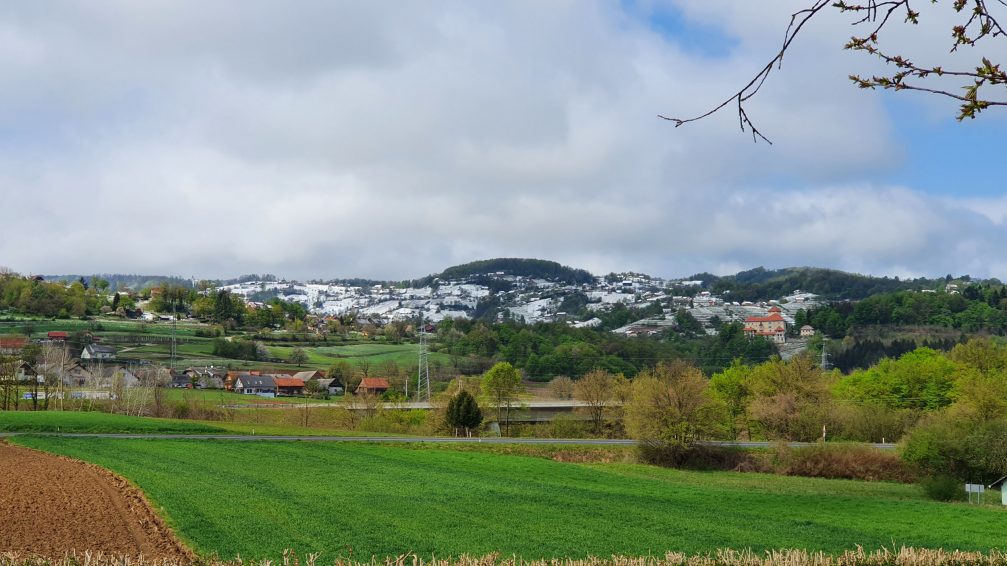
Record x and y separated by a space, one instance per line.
51 505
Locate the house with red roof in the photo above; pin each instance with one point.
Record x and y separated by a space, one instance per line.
288 386
373 386
771 326
12 345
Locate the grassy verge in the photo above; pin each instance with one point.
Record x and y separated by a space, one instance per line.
257 499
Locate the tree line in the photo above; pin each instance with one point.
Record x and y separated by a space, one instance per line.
547 350
978 308
34 296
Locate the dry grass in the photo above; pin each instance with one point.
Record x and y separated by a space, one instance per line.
904 556
840 461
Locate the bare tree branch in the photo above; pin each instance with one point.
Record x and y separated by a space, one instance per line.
979 24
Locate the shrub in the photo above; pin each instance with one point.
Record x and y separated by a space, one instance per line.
565 426
967 451
846 462
942 488
695 457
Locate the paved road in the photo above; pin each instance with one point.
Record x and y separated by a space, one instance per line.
435 439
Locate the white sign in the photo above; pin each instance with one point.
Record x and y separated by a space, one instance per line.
975 488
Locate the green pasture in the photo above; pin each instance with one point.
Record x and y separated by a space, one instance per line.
199 351
222 397
377 355
247 423
101 325
363 500
94 422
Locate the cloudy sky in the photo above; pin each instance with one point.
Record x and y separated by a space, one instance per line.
318 139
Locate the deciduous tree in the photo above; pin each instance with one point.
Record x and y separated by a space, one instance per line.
298 356
672 406
501 385
561 387
597 391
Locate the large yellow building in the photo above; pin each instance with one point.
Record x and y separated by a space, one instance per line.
771 326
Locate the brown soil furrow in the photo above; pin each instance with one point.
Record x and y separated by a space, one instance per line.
51 505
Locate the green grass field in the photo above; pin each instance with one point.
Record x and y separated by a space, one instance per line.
199 351
103 324
256 499
93 422
221 396
402 355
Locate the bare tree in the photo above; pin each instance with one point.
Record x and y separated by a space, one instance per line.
597 391
364 366
973 22
54 358
561 387
9 390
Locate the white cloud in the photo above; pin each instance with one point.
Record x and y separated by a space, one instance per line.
392 140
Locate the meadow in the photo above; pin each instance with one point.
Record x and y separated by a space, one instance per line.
94 422
103 325
378 356
257 499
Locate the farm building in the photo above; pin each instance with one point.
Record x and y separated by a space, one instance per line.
248 384
206 377
114 376
25 373
12 345
373 386
289 386
331 385
179 380
77 375
94 352
309 375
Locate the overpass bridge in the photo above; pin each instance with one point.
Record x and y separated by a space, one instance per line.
524 411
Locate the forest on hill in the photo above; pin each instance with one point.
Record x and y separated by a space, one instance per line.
533 268
762 284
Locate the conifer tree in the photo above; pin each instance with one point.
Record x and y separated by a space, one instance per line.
464 412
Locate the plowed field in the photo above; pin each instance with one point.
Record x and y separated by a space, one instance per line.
50 505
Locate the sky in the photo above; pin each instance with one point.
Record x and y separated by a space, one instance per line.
389 140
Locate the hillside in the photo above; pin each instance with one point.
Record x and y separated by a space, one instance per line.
763 284
125 281
533 268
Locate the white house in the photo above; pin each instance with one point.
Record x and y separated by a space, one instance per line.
97 353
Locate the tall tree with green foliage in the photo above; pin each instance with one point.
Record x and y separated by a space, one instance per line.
463 412
501 385
672 404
